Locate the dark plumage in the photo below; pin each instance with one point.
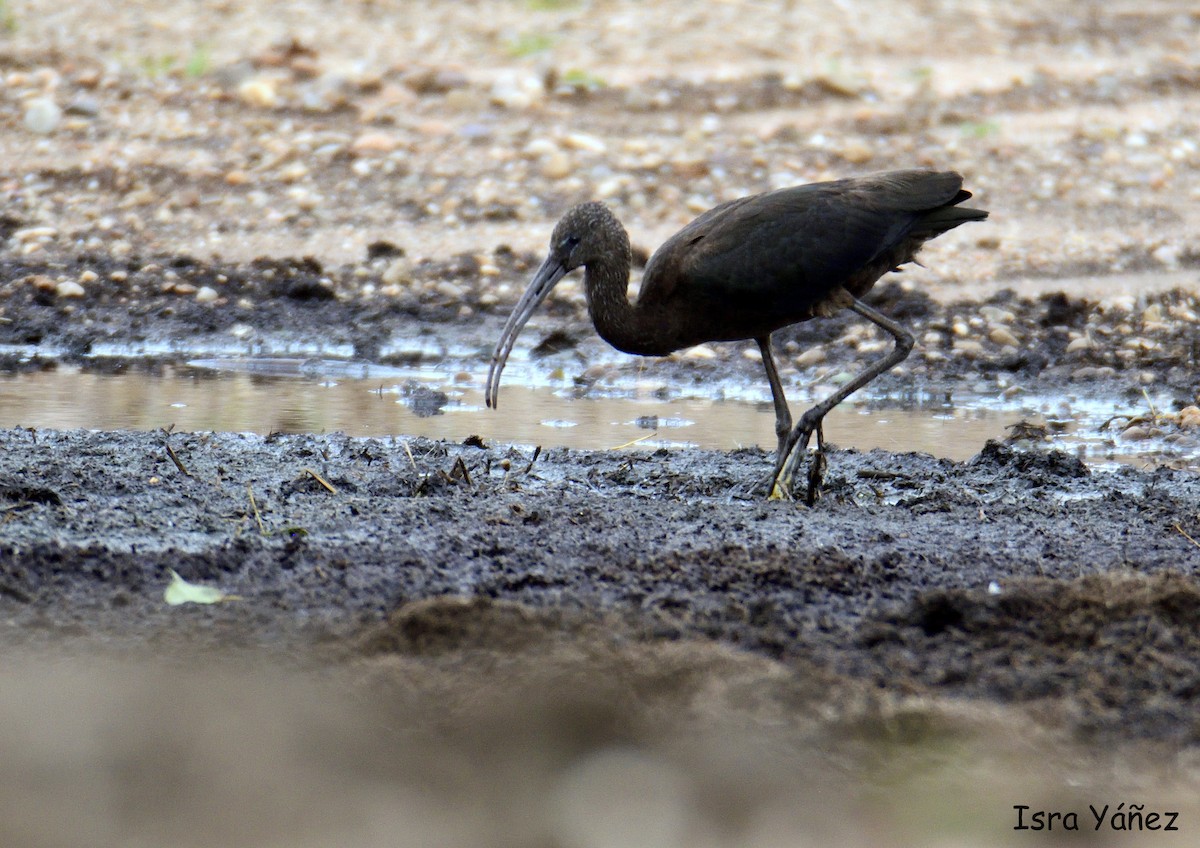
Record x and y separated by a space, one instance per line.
749 267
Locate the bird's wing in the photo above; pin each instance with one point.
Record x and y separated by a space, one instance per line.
791 248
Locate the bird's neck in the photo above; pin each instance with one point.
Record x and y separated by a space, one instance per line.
628 328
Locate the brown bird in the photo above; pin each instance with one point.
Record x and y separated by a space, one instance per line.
747 268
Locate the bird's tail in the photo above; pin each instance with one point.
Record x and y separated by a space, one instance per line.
943 218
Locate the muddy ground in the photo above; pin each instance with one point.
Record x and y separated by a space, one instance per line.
480 644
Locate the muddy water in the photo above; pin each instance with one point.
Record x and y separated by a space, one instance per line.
298 396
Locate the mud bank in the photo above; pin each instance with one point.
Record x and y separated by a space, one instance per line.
1014 577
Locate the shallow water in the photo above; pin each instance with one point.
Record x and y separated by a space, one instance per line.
298 395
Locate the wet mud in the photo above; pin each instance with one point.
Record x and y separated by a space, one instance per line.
1017 577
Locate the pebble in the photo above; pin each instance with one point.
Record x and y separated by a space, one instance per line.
259 92
1167 255
69 288
752 354
83 104
42 115
206 294
40 234
556 165
996 315
88 276
700 352
1081 343
583 141
375 142
811 357
1152 314
1137 433
857 153
1189 418
1093 372
398 272
517 92
969 348
1003 336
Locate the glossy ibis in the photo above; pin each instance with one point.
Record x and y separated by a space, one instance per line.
747 268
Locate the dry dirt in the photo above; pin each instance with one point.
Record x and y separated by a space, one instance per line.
466 644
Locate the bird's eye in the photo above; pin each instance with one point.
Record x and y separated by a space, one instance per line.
570 242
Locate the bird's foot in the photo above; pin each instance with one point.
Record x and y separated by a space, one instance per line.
781 484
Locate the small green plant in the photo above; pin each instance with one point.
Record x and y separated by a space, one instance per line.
582 80
979 129
530 43
157 66
199 63
8 18
550 5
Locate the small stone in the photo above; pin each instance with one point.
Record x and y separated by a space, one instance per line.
84 105
1081 343
1166 255
996 315
206 294
69 288
513 91
857 153
1003 336
700 352
1011 392
259 92
35 234
399 272
42 115
1152 314
970 348
753 354
293 172
960 329
556 166
88 276
184 288
584 141
1136 433
1189 418
375 142
812 356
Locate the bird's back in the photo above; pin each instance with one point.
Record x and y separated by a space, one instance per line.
753 265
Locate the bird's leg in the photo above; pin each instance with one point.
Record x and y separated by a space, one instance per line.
810 421
783 415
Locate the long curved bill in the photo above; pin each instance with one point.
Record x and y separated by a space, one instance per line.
542 283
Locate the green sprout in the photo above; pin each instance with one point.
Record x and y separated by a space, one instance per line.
582 80
979 129
199 63
530 43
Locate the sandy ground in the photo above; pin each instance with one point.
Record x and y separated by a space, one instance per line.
461 644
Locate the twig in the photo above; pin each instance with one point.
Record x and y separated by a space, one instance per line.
175 459
1185 535
328 486
650 435
408 451
537 451
257 516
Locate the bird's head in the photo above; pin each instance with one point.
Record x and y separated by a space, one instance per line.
585 234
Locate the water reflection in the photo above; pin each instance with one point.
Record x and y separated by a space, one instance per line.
305 396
